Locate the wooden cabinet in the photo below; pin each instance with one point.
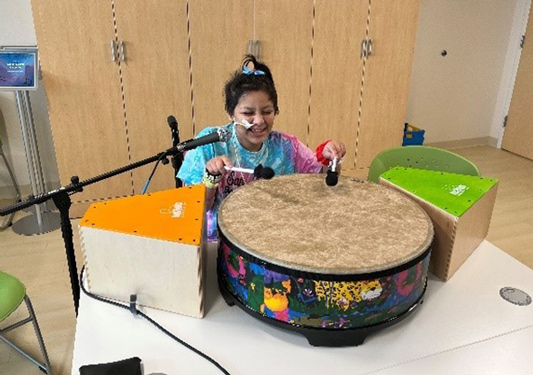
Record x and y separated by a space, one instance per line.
391 32
154 70
218 45
84 95
220 31
284 30
112 79
173 57
338 65
361 67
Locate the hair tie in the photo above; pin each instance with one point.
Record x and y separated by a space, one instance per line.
320 153
255 72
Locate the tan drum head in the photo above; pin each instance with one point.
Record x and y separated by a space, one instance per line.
299 222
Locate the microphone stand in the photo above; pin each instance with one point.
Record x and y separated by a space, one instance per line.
61 198
177 159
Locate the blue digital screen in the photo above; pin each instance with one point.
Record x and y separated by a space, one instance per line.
18 70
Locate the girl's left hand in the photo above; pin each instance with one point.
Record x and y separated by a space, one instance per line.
334 149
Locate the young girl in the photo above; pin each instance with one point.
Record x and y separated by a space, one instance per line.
251 105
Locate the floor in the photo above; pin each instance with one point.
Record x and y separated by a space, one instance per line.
39 261
511 226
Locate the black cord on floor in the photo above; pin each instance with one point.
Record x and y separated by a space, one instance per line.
134 311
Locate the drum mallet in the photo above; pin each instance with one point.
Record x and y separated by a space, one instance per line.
332 176
259 172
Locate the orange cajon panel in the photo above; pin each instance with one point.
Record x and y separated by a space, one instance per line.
150 245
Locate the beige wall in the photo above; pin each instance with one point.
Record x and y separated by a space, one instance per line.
454 97
16 28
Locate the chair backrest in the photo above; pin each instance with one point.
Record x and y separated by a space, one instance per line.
421 157
12 293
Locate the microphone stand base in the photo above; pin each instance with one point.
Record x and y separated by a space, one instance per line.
30 225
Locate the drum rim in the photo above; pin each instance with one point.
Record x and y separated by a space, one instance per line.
423 249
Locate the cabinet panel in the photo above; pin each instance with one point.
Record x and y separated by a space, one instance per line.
155 78
284 29
106 114
83 91
386 83
220 31
337 72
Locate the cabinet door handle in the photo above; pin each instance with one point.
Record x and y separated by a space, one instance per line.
370 47
254 48
122 51
363 48
250 47
113 51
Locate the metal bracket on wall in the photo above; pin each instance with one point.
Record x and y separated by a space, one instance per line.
254 48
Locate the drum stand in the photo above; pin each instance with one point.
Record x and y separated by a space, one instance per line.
61 198
320 336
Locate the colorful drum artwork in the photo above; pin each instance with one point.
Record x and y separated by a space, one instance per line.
334 263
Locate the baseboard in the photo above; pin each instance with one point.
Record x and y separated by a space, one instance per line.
481 141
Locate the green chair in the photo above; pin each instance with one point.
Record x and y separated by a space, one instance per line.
12 293
9 220
421 157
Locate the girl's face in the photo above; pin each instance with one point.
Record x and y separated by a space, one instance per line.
258 110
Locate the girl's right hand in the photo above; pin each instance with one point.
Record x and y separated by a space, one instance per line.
216 165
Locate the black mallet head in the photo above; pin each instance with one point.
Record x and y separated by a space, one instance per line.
263 172
332 178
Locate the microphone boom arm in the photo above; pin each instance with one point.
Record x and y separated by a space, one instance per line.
61 198
77 186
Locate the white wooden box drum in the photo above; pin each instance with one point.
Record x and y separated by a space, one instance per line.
333 263
150 245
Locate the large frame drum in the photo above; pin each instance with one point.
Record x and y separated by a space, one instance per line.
333 263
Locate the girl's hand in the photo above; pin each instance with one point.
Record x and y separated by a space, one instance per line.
334 149
216 165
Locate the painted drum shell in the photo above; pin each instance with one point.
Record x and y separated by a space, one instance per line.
305 294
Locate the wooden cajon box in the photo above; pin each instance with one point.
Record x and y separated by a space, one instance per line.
150 245
459 206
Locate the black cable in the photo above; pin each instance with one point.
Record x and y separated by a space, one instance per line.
163 155
137 312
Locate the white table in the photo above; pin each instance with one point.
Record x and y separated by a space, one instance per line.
463 327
